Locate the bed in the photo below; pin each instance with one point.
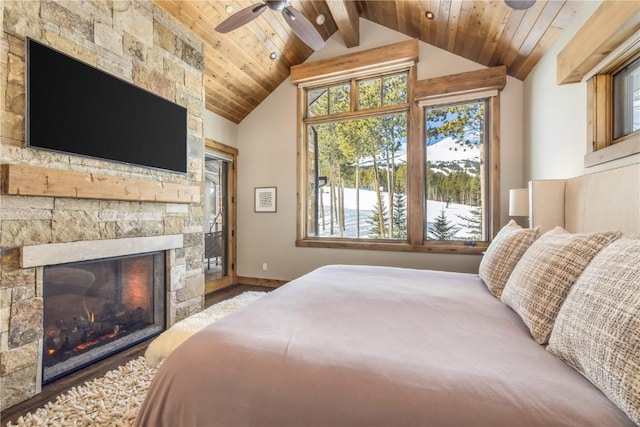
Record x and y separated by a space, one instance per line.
366 346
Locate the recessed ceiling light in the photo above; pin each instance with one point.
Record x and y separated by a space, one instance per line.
228 8
273 55
429 15
320 19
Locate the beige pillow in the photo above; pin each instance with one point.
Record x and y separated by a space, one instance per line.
598 327
503 254
542 279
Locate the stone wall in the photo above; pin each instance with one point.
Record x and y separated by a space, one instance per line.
138 42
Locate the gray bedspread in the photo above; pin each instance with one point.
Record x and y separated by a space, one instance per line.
372 346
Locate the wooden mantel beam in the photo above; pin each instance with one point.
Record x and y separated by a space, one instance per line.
25 180
347 18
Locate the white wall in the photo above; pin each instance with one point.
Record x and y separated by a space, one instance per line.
267 157
219 129
555 116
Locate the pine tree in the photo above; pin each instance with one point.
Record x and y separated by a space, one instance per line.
375 229
473 223
399 216
442 227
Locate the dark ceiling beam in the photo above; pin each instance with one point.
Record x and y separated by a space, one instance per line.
346 16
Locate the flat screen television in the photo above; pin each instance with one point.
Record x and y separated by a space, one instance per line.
75 108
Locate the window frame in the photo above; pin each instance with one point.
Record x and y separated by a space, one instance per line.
625 116
601 145
488 84
367 64
354 243
608 40
473 97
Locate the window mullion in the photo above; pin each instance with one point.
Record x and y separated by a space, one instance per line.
357 114
493 171
415 166
354 95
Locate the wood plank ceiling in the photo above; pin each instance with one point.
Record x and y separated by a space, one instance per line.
239 74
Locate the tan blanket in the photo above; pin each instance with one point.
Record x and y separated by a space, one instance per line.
372 346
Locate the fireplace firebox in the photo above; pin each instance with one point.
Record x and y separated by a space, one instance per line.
93 309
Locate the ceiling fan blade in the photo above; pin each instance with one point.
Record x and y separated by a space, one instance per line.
238 19
303 28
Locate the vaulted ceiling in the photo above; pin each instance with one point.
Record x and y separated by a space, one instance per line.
239 73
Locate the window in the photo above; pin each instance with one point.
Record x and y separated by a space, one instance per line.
626 100
606 57
366 164
455 142
328 100
613 105
357 162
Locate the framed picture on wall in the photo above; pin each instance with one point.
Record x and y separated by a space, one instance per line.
265 199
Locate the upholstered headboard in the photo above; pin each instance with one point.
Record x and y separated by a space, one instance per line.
608 200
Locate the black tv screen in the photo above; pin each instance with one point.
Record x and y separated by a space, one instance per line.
77 109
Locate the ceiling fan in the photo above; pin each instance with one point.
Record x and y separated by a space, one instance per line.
300 25
520 4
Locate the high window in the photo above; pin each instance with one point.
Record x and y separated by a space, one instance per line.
626 100
613 106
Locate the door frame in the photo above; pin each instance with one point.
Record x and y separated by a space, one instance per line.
230 260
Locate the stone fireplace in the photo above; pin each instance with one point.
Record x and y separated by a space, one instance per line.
71 209
99 297
93 309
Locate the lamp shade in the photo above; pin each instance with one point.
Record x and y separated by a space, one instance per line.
519 202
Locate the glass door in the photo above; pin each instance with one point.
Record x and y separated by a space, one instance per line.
219 219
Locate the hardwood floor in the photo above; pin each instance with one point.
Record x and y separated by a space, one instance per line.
50 391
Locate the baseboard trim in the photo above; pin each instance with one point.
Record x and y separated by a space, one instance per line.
267 283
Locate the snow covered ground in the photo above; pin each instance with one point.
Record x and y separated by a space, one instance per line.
442 152
447 150
368 201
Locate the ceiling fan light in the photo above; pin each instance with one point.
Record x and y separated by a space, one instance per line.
320 19
277 5
519 4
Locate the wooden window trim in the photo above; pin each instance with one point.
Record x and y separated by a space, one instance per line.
601 147
608 39
485 79
352 65
493 188
402 55
609 26
494 78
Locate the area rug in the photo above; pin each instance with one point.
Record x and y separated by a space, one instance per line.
115 398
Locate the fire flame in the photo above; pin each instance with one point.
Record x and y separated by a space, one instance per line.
51 351
89 313
86 345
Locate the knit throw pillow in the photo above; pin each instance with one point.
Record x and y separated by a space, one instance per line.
542 279
598 327
503 254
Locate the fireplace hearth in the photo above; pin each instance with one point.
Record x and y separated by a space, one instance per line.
93 309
